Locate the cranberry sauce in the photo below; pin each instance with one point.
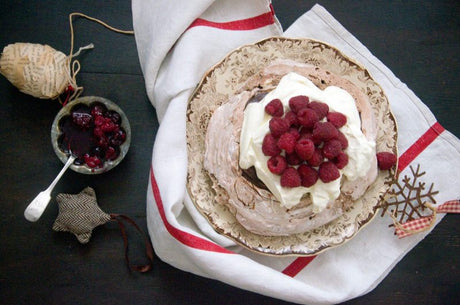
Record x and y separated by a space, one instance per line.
92 133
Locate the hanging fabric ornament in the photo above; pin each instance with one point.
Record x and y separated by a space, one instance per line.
80 213
38 70
44 72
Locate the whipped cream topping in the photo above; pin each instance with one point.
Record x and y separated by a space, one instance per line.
255 126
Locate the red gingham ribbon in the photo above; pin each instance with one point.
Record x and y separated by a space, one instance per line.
413 226
452 206
423 223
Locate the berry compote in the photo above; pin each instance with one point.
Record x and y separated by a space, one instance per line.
92 133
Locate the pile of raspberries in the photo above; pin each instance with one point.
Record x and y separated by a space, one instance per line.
305 143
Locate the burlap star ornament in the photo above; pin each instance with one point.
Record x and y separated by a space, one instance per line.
79 214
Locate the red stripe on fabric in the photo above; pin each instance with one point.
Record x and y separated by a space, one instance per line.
297 265
185 238
423 142
238 25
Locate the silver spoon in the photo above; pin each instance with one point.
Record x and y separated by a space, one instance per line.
35 209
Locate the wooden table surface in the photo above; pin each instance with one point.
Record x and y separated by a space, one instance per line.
418 40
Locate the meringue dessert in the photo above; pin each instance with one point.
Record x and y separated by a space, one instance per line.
292 150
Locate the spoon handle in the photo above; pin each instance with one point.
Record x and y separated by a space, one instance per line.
36 208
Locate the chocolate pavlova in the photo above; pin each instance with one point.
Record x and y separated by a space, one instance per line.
293 152
283 142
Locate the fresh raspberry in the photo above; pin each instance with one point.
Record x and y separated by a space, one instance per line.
287 142
293 159
307 117
317 158
298 102
290 178
295 132
343 139
331 149
341 160
337 119
324 131
386 160
278 126
321 109
269 147
275 108
305 148
308 175
328 172
291 117
277 164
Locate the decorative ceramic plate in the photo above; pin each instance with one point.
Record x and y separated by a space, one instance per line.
225 80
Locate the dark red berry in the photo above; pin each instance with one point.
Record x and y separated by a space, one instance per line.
277 164
278 126
290 178
316 158
293 159
291 118
287 142
386 160
98 109
328 172
343 139
307 117
294 132
332 148
269 146
298 102
321 109
99 120
305 148
82 119
275 108
111 153
92 161
308 175
341 160
324 131
118 137
114 116
337 119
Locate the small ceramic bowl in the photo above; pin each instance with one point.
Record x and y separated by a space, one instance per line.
59 132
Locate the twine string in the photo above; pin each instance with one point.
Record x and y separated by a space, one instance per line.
73 65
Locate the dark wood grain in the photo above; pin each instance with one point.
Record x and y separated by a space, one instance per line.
419 41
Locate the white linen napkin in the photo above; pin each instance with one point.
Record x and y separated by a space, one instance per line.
178 41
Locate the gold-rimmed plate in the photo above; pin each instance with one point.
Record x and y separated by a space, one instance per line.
226 79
